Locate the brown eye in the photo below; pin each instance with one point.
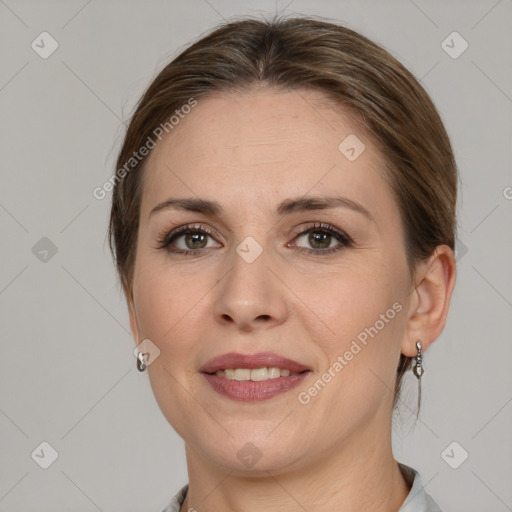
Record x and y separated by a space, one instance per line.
193 240
186 240
320 237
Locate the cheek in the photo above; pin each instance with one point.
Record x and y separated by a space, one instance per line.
360 358
365 312
354 300
172 306
167 306
162 296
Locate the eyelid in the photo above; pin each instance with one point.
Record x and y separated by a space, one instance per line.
322 226
164 237
345 240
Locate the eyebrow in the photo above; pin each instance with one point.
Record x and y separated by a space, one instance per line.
286 207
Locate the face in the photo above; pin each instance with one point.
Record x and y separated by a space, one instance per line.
325 287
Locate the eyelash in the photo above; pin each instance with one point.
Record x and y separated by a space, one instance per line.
165 239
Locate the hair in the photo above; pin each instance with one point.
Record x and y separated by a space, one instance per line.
296 53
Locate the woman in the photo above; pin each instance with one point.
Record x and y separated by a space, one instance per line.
283 226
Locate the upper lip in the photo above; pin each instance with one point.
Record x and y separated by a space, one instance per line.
253 361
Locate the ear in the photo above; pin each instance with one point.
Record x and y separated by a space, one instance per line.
430 299
134 325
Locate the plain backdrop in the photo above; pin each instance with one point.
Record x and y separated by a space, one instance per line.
67 372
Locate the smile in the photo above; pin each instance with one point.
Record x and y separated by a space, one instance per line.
257 374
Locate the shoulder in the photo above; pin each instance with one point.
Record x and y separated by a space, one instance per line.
418 500
177 501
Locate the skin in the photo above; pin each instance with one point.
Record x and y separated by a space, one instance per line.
250 151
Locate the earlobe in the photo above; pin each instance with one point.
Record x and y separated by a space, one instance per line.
430 300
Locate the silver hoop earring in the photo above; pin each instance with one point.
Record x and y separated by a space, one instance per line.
141 362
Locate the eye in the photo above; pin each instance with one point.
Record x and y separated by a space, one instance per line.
194 239
321 235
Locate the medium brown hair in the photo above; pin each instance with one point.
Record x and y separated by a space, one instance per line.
294 53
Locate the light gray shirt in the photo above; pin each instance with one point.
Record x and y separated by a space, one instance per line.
417 500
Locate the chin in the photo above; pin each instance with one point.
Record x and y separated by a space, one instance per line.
252 461
253 455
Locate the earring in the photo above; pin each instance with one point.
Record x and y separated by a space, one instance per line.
141 362
418 368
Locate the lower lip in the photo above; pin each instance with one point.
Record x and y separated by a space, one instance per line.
252 391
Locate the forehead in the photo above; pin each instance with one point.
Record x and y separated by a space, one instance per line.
263 143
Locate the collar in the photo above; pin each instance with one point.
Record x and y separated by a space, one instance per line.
417 500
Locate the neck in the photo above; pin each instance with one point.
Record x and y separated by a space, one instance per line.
359 474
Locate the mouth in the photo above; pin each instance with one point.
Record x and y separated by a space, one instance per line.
256 375
265 364
253 377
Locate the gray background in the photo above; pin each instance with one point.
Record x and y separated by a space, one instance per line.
68 375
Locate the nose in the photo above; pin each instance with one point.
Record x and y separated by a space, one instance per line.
250 295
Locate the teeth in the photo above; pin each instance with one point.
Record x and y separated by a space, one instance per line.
273 373
257 374
242 374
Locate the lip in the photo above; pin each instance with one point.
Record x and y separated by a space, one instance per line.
254 391
259 360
